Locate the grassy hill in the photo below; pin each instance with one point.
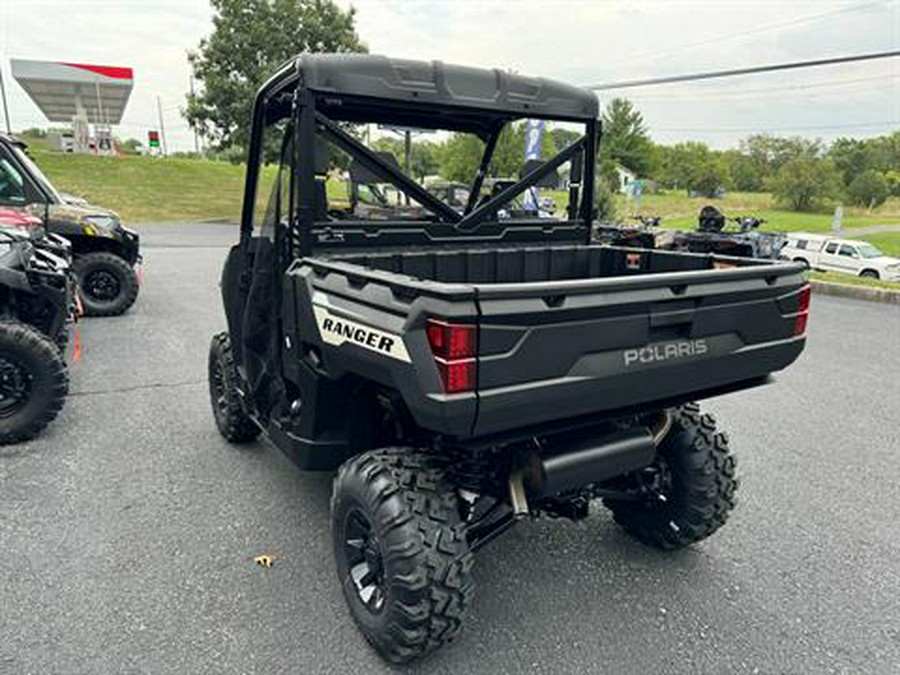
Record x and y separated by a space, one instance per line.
145 189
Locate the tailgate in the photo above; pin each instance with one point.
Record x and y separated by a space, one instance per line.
555 350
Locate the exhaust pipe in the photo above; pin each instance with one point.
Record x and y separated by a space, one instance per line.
581 460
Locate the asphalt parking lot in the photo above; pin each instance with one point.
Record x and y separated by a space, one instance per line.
128 530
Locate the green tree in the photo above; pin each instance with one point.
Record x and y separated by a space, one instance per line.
625 138
693 167
250 39
509 155
604 201
853 156
805 183
563 138
424 159
769 153
868 189
893 182
459 157
746 175
130 146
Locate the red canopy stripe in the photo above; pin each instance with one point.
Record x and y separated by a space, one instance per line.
115 72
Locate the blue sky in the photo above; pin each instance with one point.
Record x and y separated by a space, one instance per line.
585 42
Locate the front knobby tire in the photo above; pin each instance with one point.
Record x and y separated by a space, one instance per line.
697 485
233 423
107 283
34 382
401 551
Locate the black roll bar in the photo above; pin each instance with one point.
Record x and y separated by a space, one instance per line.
377 165
527 181
489 147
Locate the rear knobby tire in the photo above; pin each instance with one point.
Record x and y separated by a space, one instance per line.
231 420
107 284
34 381
420 558
699 485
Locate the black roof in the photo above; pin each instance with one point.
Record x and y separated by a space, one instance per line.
432 94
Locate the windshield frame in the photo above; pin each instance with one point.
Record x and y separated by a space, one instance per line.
37 176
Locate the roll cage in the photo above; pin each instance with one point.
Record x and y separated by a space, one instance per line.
317 93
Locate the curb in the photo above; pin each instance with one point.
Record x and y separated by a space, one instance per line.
858 292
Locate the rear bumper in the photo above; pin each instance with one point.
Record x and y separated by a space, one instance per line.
507 408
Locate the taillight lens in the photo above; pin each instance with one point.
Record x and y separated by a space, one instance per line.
457 376
802 317
450 340
454 349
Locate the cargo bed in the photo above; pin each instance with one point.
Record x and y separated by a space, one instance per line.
562 331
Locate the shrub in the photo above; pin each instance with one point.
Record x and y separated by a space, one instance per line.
868 189
805 183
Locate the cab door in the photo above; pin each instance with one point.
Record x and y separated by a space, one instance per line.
848 259
829 259
251 280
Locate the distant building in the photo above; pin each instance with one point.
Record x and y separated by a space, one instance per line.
626 177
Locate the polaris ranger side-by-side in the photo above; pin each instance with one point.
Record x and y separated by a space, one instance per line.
463 372
105 252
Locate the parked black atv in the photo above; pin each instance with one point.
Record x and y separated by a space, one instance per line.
106 254
642 235
713 236
37 309
466 371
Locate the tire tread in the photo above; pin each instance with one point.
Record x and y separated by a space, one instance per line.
21 336
413 504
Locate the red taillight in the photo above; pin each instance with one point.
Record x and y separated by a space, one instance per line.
451 341
453 346
805 295
457 376
802 310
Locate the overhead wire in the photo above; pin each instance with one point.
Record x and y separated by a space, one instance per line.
752 70
647 56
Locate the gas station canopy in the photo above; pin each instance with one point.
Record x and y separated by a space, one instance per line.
64 90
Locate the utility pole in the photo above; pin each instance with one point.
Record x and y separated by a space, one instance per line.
5 102
162 128
196 138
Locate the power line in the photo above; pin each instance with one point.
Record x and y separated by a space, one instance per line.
744 71
810 90
764 90
733 36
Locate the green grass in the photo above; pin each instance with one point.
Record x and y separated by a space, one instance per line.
143 189
838 278
146 189
888 242
679 211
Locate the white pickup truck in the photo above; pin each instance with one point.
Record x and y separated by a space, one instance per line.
859 258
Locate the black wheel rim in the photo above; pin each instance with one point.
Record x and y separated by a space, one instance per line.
218 388
365 566
101 285
15 387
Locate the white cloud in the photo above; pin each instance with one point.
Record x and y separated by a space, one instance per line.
583 42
